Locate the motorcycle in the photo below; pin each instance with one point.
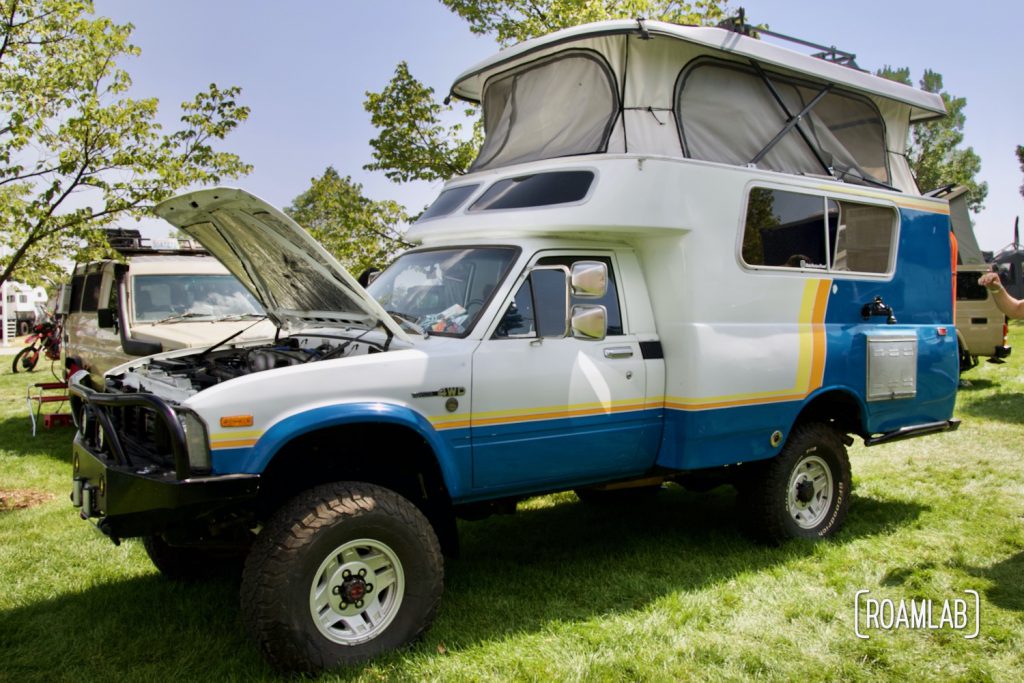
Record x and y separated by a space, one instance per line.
44 340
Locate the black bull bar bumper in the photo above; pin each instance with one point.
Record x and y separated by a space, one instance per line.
124 497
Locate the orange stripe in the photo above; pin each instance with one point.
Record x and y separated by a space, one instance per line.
820 338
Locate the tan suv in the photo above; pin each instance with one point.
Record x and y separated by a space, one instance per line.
980 325
165 296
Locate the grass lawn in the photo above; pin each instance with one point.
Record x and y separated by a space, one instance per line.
667 590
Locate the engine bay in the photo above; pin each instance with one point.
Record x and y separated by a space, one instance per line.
179 377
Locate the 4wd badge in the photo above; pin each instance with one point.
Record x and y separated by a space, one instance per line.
443 393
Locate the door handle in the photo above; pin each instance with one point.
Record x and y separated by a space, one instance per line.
618 352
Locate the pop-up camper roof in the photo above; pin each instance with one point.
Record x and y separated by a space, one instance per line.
653 88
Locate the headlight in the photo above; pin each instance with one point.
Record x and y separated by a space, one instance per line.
196 440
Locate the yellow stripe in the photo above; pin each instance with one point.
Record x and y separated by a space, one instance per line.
919 203
234 435
547 413
809 376
810 365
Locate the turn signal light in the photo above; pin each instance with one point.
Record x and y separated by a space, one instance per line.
236 421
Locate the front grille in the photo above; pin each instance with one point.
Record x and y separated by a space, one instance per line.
130 429
142 435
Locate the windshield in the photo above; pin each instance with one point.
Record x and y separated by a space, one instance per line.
442 290
191 297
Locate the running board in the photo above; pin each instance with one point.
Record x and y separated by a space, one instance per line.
912 431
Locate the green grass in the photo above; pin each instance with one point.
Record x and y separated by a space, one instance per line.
668 590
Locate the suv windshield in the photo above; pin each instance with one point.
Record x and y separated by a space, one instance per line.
442 290
190 297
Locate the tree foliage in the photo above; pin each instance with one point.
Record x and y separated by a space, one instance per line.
76 153
1020 158
358 231
414 143
512 21
934 151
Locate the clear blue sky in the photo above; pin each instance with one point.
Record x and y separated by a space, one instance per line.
304 68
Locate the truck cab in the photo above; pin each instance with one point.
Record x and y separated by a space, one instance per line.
682 255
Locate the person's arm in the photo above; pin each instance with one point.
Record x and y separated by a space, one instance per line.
1006 303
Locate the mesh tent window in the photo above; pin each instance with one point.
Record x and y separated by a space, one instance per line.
730 113
558 106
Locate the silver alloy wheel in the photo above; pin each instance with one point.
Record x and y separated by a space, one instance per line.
357 591
810 492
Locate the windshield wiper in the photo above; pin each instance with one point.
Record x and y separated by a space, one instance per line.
408 321
241 316
177 317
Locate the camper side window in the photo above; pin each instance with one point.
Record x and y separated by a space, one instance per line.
807 232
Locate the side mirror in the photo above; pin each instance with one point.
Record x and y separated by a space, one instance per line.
589 322
589 279
107 318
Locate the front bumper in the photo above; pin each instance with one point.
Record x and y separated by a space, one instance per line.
127 496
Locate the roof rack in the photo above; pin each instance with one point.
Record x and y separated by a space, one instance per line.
738 24
130 242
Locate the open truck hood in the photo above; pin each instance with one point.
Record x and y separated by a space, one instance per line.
296 280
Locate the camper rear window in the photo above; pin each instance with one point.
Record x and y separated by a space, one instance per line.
811 232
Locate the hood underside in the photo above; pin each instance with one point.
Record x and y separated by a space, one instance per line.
295 279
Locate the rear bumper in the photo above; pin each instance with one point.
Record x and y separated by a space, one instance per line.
1003 351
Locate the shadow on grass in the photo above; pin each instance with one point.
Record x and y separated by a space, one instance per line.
1004 406
16 438
976 384
566 562
1007 579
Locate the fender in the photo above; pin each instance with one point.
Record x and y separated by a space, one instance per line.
255 459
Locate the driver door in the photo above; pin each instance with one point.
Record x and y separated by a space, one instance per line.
550 409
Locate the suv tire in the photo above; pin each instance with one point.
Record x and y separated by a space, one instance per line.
340 574
804 492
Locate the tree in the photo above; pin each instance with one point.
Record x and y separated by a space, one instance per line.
76 154
358 231
415 144
934 152
512 21
1020 158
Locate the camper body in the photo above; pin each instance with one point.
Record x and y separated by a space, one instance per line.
596 306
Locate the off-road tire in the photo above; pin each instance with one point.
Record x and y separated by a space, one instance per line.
26 359
193 563
291 552
636 494
768 508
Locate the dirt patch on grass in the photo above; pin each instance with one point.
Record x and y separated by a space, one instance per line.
22 499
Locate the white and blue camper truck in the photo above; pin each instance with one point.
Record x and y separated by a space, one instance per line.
683 254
